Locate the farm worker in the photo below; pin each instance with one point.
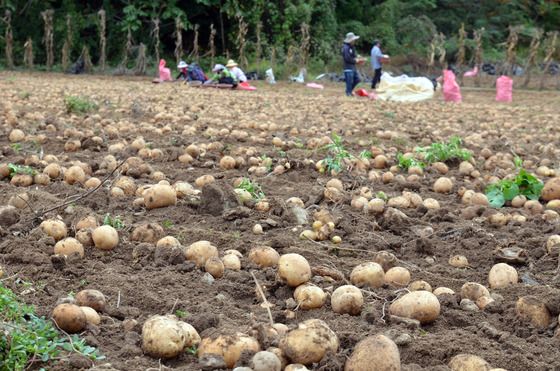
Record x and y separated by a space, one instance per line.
349 59
183 73
222 76
237 72
195 73
377 58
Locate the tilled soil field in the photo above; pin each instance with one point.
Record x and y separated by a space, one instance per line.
146 134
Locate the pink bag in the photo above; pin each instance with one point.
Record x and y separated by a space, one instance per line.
451 90
314 85
471 73
164 73
246 86
504 87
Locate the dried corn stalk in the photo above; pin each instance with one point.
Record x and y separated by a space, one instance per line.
102 19
550 42
140 67
9 39
258 46
195 52
155 36
67 47
305 44
241 40
28 53
461 52
179 27
48 38
533 50
88 65
478 54
512 40
211 44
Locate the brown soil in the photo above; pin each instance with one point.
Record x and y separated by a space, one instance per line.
154 283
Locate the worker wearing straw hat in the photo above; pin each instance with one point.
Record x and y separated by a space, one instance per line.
349 58
237 72
183 73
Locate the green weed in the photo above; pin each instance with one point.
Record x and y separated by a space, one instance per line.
20 169
76 104
407 162
114 222
337 153
253 188
445 151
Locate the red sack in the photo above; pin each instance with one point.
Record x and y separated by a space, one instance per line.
246 86
451 90
362 93
504 87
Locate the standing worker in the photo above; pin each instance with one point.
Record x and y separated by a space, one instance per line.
349 58
377 58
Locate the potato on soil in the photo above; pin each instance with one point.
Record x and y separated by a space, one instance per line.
266 361
54 228
443 185
264 256
89 221
553 243
468 362
419 305
531 309
347 299
168 242
294 269
69 317
443 291
91 298
296 367
200 251
420 286
458 261
163 337
386 259
105 237
397 276
229 347
376 350
309 296
92 316
231 262
473 291
309 342
368 274
551 190
74 174
502 275
150 233
215 267
160 195
69 246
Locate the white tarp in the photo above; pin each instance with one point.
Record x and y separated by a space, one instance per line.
404 89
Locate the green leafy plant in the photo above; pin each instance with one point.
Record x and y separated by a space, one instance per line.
382 195
524 184
27 339
365 154
253 188
76 104
445 151
407 162
337 153
266 162
167 224
181 313
20 169
16 147
114 222
192 350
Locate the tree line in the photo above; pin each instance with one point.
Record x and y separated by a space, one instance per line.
136 33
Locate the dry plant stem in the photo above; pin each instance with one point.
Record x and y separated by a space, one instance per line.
195 52
102 19
67 47
511 54
119 299
174 305
258 46
211 44
127 50
48 38
461 52
88 65
9 39
155 36
478 54
28 53
550 51
140 67
179 27
533 50
265 302
241 40
305 44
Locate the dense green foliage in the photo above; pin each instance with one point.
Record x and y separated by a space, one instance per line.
406 27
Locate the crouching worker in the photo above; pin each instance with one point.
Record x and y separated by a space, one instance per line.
222 78
183 71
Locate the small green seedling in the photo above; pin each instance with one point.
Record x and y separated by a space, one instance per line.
181 313
253 188
445 151
408 162
381 195
20 169
366 154
76 104
114 222
167 224
337 153
192 350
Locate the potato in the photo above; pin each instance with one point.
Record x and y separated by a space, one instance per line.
518 201
227 163
551 190
168 242
296 367
431 204
293 269
531 309
309 342
105 237
92 316
440 167
468 362
69 246
309 296
458 261
21 180
266 361
359 203
54 228
84 236
163 337
92 183
75 174
87 222
214 266
419 305
376 206
502 275
229 347
473 291
200 251
420 286
1 272
480 199
127 184
91 298
386 259
553 243
534 207
204 180
16 135
20 200
368 274
231 262
443 291
69 317
264 256
160 195
149 233
397 276
347 299
191 335
443 185
376 351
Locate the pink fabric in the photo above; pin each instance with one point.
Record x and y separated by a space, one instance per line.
315 85
164 73
362 92
504 88
372 96
471 73
246 86
451 90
